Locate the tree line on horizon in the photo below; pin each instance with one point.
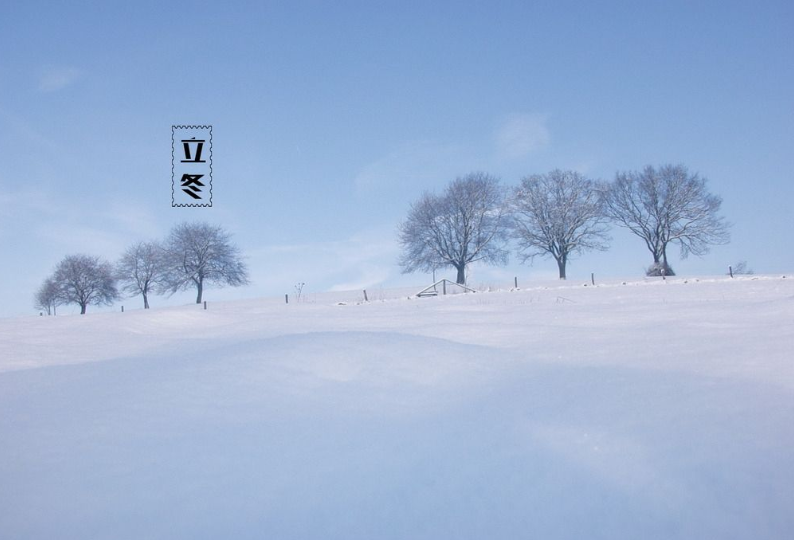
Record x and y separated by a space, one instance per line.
193 255
560 214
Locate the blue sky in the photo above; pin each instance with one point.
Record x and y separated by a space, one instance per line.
329 119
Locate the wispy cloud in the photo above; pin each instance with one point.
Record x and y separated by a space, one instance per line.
360 261
369 276
132 218
20 128
520 135
54 78
59 224
416 163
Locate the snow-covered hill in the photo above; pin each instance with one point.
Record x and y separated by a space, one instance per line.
641 410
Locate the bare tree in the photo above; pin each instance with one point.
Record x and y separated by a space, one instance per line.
558 214
198 254
467 223
85 280
142 269
741 268
667 205
299 290
48 297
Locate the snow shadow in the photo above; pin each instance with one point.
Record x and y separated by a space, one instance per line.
387 435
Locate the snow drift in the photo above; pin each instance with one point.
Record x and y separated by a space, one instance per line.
645 410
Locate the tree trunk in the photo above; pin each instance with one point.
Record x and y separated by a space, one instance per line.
461 279
145 301
82 309
657 249
561 263
200 289
660 265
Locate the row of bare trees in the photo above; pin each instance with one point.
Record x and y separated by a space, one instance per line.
193 255
560 214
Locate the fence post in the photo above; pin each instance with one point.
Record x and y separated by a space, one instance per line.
286 299
515 282
730 271
592 278
444 285
205 304
122 309
365 296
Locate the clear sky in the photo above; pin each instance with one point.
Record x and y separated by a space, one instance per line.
330 118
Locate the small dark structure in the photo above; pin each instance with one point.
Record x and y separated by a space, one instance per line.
443 282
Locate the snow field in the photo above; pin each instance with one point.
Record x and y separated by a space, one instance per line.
645 410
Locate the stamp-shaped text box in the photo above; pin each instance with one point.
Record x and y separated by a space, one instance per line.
191 166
